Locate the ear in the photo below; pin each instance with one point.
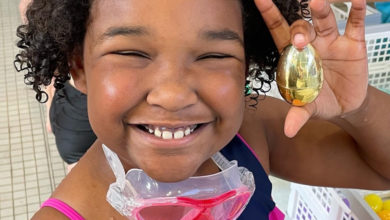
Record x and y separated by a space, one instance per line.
78 73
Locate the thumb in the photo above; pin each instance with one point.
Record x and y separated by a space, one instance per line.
296 118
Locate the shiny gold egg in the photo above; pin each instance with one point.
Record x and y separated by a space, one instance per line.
299 75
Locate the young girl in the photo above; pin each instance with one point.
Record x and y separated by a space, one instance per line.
166 91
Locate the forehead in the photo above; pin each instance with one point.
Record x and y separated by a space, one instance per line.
183 15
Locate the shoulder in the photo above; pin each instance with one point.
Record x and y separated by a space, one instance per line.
84 189
49 213
266 118
262 124
267 108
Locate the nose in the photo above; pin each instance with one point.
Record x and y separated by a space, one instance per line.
172 93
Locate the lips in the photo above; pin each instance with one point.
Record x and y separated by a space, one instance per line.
168 133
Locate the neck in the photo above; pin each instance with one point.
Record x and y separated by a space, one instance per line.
207 168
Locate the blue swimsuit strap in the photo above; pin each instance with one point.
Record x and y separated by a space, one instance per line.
261 204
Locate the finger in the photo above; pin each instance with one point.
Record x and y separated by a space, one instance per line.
302 33
324 21
355 24
296 118
277 25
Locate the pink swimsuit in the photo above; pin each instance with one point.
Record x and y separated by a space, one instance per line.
63 208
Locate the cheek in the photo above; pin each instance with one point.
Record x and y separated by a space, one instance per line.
223 93
111 94
224 90
226 98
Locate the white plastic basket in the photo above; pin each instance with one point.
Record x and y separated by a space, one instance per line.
341 10
378 52
324 203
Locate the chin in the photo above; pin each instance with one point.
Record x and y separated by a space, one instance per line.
171 172
169 178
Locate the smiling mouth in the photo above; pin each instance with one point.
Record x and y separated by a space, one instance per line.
167 133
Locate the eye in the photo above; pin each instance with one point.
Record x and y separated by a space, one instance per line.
215 56
132 53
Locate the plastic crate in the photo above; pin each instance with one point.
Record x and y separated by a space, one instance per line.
324 203
317 203
378 52
341 10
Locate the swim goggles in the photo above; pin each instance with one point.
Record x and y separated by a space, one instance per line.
220 196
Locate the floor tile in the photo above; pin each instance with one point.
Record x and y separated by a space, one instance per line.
25 167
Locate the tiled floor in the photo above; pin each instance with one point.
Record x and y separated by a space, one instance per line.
30 167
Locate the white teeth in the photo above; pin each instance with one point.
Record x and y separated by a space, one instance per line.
170 133
178 134
167 135
148 129
187 131
157 132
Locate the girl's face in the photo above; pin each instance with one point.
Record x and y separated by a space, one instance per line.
165 81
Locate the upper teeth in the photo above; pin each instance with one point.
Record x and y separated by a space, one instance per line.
169 133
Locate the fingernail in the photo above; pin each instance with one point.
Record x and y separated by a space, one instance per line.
299 40
287 131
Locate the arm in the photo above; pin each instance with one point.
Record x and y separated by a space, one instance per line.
50 90
322 153
23 8
343 136
49 213
370 127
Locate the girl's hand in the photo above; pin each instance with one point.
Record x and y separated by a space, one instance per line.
344 58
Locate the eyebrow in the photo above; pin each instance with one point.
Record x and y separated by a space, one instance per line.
124 31
224 34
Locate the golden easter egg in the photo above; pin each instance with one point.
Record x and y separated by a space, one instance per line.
299 75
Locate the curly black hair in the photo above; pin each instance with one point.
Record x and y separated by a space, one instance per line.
56 29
